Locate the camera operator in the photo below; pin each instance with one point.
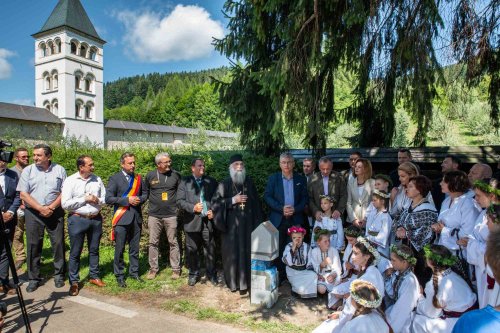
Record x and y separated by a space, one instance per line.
9 203
22 158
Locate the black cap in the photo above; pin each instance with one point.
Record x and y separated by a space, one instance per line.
235 158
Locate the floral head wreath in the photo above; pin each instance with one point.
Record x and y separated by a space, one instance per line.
295 229
327 197
411 259
352 231
362 301
381 194
493 212
448 261
321 232
490 187
370 248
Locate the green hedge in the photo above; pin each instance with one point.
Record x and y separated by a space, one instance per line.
107 162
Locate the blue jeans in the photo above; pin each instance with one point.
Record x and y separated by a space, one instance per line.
78 228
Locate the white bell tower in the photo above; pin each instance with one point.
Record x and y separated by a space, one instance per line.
69 71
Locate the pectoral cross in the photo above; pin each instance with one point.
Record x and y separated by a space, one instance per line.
242 205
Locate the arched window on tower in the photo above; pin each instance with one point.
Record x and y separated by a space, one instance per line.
74 47
55 106
43 50
78 79
46 105
47 81
93 53
89 110
52 49
78 109
55 80
83 50
57 44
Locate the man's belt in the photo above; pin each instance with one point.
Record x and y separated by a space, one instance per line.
86 216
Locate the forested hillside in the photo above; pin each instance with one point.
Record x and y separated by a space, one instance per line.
188 99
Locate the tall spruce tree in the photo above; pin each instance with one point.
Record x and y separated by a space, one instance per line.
288 52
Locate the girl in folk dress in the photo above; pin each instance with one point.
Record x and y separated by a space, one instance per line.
366 257
382 183
350 269
379 222
447 295
303 281
402 289
485 194
458 211
325 261
367 318
334 226
493 216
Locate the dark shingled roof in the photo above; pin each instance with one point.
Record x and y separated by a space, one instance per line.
70 13
23 112
128 125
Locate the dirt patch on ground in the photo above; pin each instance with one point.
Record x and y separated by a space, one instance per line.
288 309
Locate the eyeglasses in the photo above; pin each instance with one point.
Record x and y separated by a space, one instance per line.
166 162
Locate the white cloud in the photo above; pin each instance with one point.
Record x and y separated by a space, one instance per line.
5 66
184 34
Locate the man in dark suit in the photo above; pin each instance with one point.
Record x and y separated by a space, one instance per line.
286 196
194 197
9 203
327 182
125 192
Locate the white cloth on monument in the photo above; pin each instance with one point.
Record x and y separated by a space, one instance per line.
304 282
476 249
315 259
461 214
399 314
368 323
453 294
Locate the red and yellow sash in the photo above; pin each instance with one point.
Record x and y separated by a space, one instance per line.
133 189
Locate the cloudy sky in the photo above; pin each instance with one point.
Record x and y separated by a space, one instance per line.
142 36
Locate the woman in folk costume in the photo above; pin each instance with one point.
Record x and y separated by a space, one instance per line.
402 289
303 281
334 226
379 222
367 318
359 193
349 268
458 211
325 261
366 257
413 226
447 295
486 193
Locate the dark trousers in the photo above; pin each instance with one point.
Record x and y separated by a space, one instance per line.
194 242
4 260
284 239
78 228
35 228
124 234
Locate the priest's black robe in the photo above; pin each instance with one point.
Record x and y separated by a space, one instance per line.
236 223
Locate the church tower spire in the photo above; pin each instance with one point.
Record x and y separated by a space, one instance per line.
69 71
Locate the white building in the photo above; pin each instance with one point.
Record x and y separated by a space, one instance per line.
69 68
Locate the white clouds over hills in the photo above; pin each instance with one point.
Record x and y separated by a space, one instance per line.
5 66
184 34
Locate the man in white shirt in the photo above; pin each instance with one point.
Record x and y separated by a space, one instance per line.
83 195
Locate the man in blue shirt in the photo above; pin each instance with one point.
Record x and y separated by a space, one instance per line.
286 196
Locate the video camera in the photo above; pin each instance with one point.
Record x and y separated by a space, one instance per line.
6 156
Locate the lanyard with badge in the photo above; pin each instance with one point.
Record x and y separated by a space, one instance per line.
164 195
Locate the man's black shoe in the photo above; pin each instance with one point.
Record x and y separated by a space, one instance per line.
137 278
59 283
192 280
32 286
121 283
213 280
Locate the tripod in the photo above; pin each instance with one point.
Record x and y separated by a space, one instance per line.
4 243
